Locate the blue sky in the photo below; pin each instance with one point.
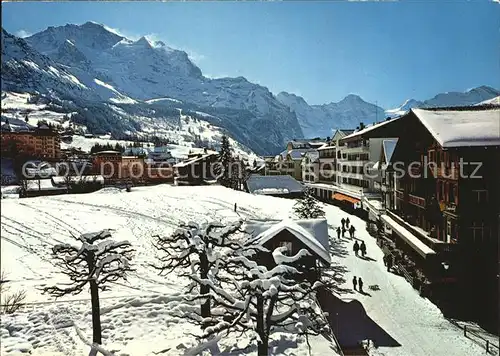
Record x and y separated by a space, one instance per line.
385 52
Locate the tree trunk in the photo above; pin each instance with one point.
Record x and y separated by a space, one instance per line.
263 344
96 313
204 289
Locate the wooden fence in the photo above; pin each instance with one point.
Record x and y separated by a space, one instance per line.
472 334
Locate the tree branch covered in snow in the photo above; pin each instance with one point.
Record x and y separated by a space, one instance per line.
194 251
263 299
98 261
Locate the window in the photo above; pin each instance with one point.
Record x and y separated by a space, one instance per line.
479 232
288 246
480 195
452 193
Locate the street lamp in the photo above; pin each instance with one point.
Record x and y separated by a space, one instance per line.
445 265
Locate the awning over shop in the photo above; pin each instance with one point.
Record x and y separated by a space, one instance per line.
421 248
342 197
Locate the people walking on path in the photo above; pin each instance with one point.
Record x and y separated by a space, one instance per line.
362 247
354 282
360 283
355 248
389 263
343 223
338 232
351 231
347 222
343 231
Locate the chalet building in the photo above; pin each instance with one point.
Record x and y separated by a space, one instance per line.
327 164
198 169
310 167
290 162
359 151
107 164
41 142
445 208
294 235
283 186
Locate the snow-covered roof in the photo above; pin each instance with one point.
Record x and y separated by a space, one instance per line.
412 240
326 146
107 153
193 160
369 128
311 232
457 128
265 184
61 180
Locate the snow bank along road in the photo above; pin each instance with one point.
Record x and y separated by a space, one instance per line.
135 315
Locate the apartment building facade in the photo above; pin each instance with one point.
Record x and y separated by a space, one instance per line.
42 142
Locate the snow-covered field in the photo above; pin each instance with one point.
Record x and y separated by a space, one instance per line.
135 315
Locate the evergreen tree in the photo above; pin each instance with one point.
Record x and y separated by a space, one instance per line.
225 159
308 206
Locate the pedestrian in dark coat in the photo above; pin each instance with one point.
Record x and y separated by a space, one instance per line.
354 282
360 283
338 232
363 248
351 231
347 222
343 222
385 260
389 263
356 248
343 231
234 207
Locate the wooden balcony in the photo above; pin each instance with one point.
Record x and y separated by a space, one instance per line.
448 173
416 200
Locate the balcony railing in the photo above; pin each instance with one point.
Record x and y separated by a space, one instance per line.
447 172
416 200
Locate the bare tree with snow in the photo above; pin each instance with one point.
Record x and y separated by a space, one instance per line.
97 262
194 251
11 301
308 207
253 297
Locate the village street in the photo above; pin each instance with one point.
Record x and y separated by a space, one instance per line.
397 319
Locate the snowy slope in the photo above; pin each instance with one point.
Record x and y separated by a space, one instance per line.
184 129
322 120
135 315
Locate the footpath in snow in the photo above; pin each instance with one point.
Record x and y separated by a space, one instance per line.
399 321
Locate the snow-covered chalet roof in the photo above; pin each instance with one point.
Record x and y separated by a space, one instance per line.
282 184
457 128
369 128
311 232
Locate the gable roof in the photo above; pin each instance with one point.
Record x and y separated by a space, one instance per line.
369 128
283 184
311 232
457 128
